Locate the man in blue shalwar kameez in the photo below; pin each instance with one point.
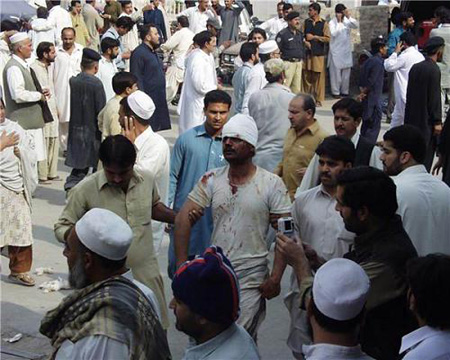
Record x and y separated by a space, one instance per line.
148 68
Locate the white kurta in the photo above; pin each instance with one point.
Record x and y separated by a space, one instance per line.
424 205
340 42
400 64
319 225
106 71
130 40
66 66
153 154
60 19
311 177
269 108
256 80
42 30
197 19
200 78
426 343
5 55
273 26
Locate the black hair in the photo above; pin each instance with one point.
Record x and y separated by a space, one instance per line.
336 326
9 25
287 6
260 31
129 112
404 15
408 38
183 21
42 12
338 148
408 138
217 96
443 13
308 102
145 29
125 22
42 48
202 38
315 6
117 150
395 15
281 3
125 2
376 44
74 2
247 50
107 264
271 78
69 28
428 278
123 80
365 186
108 43
353 107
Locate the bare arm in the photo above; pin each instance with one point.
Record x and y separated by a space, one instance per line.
162 213
183 225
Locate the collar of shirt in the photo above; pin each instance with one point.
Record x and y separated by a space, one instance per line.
102 181
248 64
143 137
414 338
329 351
21 61
201 131
313 128
212 344
416 169
112 30
77 48
355 138
445 25
323 192
277 85
105 60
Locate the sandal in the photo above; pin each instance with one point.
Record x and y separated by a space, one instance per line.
56 178
24 279
44 182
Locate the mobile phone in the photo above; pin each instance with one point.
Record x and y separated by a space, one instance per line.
286 225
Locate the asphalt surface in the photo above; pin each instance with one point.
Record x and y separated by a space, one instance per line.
22 308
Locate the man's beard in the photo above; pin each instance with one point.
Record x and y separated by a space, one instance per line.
77 275
155 45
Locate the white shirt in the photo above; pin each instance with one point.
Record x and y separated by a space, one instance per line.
200 77
319 225
241 214
197 19
16 84
426 343
273 26
232 344
329 352
424 205
179 44
60 19
311 178
130 40
256 80
42 30
153 154
401 65
340 41
106 71
66 66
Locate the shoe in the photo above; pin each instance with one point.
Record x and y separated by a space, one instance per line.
56 178
24 279
318 104
336 97
44 182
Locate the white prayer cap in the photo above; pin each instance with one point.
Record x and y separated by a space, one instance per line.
268 47
18 37
104 233
243 127
340 289
141 104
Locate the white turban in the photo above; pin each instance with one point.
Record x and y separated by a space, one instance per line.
340 289
268 47
243 127
141 104
104 233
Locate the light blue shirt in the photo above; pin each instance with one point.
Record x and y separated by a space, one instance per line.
240 83
232 344
195 152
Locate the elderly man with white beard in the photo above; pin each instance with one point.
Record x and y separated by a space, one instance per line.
123 321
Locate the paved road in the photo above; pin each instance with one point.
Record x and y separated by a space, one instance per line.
23 308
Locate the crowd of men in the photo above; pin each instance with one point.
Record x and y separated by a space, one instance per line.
361 222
